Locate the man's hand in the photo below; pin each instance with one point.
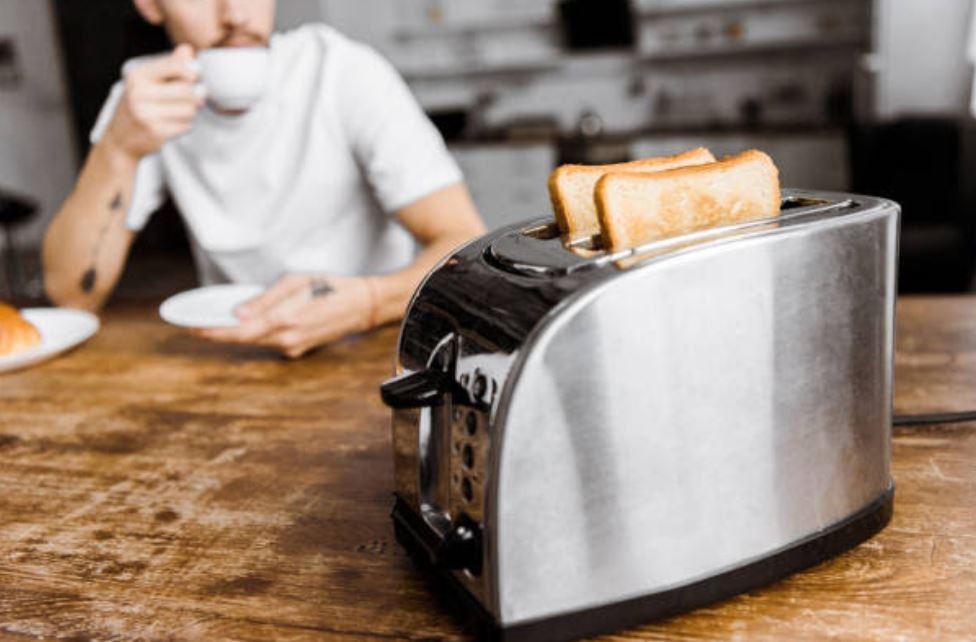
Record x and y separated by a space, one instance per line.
301 312
159 103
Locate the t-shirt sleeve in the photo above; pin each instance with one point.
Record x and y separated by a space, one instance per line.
149 187
400 151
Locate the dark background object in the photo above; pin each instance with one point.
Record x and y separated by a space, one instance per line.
10 75
597 24
451 123
15 209
97 37
926 165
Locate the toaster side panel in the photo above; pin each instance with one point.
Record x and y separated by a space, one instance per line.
465 325
692 416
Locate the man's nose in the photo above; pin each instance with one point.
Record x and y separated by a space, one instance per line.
232 12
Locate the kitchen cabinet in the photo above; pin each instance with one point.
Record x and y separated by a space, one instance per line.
814 160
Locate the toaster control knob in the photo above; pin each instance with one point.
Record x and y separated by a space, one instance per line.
483 388
461 547
480 386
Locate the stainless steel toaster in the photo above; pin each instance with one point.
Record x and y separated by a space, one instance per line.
584 441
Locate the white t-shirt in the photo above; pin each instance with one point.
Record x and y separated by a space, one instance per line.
307 179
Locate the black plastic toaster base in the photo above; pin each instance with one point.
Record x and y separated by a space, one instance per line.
808 552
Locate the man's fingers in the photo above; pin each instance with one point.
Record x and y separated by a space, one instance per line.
175 92
291 342
281 327
294 315
170 128
249 332
171 132
179 65
283 289
168 113
279 318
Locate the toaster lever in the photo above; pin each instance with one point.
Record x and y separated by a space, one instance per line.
420 389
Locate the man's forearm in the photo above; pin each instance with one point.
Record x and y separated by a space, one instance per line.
87 242
393 291
440 221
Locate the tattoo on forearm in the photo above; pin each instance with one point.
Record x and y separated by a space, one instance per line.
90 276
320 288
88 280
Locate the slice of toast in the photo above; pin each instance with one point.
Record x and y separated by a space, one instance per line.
639 208
571 188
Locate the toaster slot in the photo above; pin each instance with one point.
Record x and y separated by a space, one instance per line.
545 232
794 202
794 208
538 250
535 250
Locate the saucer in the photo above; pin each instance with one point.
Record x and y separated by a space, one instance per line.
208 307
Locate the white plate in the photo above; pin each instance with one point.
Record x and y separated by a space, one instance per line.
209 307
61 329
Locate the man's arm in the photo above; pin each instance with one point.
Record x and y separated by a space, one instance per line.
440 223
87 242
304 311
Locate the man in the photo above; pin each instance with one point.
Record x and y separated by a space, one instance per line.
334 173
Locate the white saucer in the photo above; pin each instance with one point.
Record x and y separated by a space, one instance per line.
61 329
209 307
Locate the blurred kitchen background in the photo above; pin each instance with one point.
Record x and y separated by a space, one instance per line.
869 96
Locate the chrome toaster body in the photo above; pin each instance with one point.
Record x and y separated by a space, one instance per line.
584 441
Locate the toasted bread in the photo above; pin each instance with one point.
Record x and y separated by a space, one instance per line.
571 188
17 334
639 208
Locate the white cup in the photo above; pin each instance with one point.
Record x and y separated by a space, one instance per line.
235 78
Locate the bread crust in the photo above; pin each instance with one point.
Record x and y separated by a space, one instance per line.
576 214
635 209
17 334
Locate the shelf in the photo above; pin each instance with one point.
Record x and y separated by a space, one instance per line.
770 130
407 34
516 69
724 53
726 7
811 46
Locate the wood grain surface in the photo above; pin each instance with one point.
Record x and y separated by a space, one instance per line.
154 487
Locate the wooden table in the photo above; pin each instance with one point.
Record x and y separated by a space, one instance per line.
155 487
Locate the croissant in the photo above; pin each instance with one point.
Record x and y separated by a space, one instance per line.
17 334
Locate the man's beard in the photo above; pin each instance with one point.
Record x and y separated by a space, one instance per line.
241 38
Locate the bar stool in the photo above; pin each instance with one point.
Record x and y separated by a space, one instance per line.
14 210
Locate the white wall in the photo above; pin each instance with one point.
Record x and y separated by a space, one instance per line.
370 21
37 155
920 57
293 13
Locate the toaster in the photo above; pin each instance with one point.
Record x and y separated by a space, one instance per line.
584 440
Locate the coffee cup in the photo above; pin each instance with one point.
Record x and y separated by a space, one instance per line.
234 78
